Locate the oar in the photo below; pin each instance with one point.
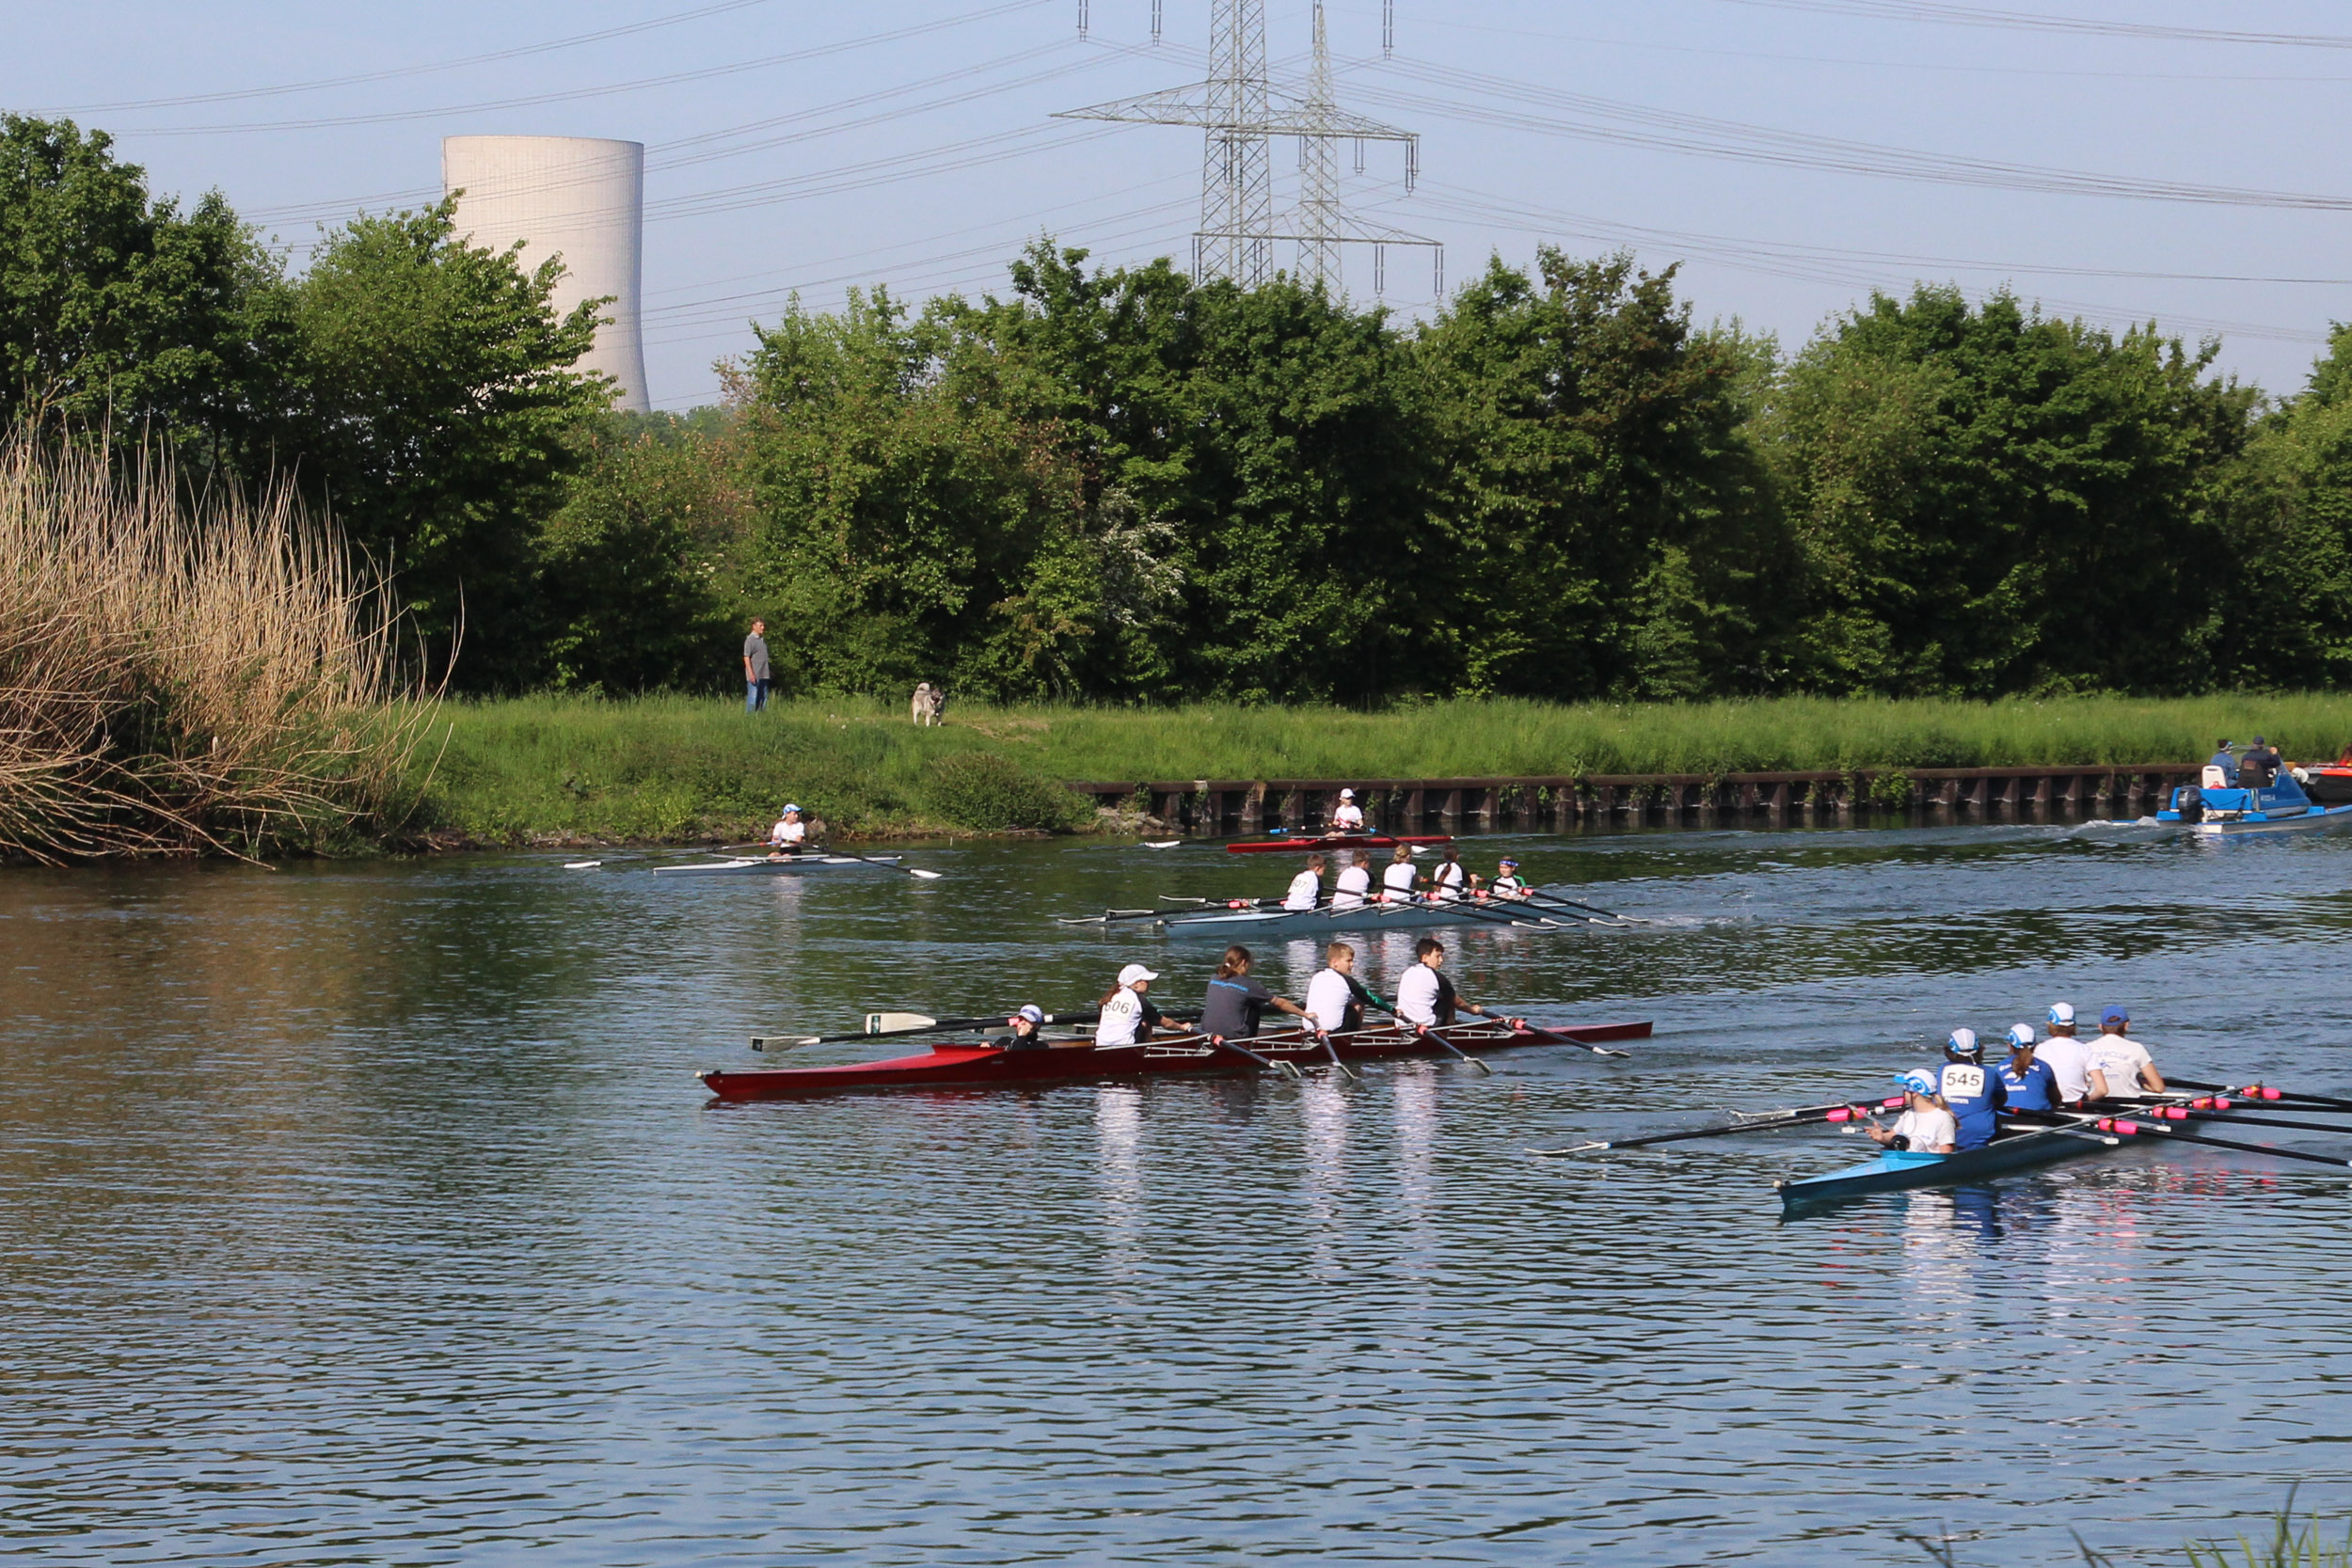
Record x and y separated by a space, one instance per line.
1536 895
882 1025
1109 917
1337 1066
2125 1127
2253 1090
1851 1111
1287 1070
909 870
1559 1038
2237 1119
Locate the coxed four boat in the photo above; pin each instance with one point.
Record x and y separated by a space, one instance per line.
949 1065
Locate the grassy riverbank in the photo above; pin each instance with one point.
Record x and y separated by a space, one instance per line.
672 768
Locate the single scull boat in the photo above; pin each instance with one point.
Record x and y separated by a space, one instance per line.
761 866
953 1065
1337 841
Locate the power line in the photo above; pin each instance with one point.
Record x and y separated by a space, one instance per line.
1977 16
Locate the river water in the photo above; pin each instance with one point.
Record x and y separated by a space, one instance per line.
369 1213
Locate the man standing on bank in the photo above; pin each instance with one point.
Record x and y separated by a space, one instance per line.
755 668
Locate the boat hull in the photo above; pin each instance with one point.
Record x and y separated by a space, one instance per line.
1896 1170
1082 1062
1348 841
1241 925
798 865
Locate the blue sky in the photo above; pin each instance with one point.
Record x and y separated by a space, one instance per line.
1792 154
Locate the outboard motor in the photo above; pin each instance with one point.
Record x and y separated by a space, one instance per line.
2190 801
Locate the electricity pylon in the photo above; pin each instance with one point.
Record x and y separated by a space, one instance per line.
1242 112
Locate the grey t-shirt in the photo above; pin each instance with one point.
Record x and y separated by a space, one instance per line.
756 649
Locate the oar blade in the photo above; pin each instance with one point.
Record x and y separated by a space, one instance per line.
891 1023
921 875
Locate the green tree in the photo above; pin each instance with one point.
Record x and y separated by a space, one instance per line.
2288 616
1602 526
1990 500
432 404
120 312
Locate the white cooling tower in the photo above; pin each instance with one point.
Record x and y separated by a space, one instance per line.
580 198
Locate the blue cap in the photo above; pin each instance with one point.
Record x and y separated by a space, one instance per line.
1034 1013
1918 1081
1506 860
791 808
1963 1043
2114 1016
2020 1036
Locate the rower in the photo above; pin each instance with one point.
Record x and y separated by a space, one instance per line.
1396 882
1507 884
1347 816
2031 1086
1236 1003
2226 759
1974 1096
2120 1064
1307 887
2066 1056
1926 1125
788 837
1331 1004
1427 998
1128 1017
1450 880
1024 1036
1354 885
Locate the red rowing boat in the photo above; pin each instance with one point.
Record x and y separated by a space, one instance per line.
950 1066
1343 841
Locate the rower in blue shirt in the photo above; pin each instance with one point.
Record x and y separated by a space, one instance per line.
2031 1086
1976 1096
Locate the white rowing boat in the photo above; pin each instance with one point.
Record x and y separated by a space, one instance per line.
792 864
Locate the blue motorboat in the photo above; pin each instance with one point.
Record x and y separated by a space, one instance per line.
2216 809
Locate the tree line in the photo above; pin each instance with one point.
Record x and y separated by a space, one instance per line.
1124 485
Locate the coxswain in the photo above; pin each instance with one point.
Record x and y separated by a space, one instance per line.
1024 1036
1346 817
2226 759
1236 1003
1331 995
2031 1086
1307 887
1354 885
1507 882
1926 1125
2067 1057
1127 1016
2258 766
2120 1066
1450 880
1425 996
1974 1096
788 837
1396 882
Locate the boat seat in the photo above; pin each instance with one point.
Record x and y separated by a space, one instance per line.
2214 778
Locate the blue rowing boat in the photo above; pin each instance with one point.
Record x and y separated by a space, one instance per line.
1894 1169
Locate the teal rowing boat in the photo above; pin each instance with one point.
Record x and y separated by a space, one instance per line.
1896 1170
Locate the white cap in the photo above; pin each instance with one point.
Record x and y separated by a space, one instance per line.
2020 1036
2062 1012
1347 795
1132 973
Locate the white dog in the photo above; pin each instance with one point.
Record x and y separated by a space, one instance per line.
930 703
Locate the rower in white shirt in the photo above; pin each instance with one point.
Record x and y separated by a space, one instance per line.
2120 1066
1427 998
788 837
1307 887
1354 886
1347 816
1450 880
1331 1004
1127 1015
1926 1126
2063 1054
1507 882
1396 882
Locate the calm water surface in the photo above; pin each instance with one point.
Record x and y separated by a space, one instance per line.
365 1215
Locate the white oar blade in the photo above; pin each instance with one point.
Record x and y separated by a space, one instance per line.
1169 844
581 865
926 876
890 1024
781 1042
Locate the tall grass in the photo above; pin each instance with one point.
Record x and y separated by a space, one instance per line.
682 767
176 682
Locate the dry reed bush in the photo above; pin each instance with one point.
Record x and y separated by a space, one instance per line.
178 684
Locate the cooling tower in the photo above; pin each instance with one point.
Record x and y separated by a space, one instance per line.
580 198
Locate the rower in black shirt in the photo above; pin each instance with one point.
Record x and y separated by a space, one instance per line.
2258 766
1236 1002
1024 1036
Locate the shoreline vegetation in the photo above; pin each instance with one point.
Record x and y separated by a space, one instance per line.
568 770
218 679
